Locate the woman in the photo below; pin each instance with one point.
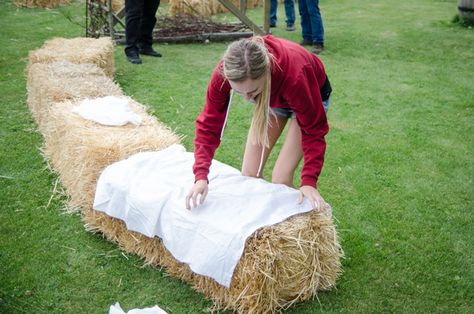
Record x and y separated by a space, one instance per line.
285 82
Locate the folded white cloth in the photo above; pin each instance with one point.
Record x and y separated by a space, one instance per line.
148 192
116 309
108 110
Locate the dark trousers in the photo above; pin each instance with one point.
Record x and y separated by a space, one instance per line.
139 23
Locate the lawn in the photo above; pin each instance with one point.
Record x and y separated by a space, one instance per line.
398 173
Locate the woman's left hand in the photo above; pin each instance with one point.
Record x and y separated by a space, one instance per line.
313 196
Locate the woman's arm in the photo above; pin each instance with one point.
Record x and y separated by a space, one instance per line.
305 100
209 124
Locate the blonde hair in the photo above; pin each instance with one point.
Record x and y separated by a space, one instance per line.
249 59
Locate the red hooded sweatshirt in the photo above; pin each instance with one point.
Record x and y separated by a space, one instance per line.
297 77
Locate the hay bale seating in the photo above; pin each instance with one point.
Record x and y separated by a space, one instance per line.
281 264
77 50
52 83
79 149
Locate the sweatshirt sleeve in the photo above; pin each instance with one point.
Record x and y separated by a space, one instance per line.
305 100
209 124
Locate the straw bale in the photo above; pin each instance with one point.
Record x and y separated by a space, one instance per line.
205 8
281 264
117 5
77 50
49 4
51 83
79 149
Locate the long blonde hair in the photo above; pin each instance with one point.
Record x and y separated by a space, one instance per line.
249 59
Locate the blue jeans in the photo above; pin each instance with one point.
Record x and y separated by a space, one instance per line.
289 11
311 21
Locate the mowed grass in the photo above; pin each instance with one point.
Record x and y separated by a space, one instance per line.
398 171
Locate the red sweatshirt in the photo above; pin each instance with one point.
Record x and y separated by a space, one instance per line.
297 77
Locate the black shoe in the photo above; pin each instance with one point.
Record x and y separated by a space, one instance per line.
273 25
133 57
149 52
290 27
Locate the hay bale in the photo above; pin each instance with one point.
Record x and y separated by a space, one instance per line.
205 8
79 149
47 4
52 83
98 51
281 264
117 5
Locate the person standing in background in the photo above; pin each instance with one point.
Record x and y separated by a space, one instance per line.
311 25
140 20
289 11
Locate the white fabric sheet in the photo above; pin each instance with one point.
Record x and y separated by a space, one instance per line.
108 110
116 309
148 192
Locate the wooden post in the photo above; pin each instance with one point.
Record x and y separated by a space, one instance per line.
232 8
243 6
110 19
266 16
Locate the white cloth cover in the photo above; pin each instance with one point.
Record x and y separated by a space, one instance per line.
108 110
148 192
116 309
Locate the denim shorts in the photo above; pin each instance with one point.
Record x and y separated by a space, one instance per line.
288 113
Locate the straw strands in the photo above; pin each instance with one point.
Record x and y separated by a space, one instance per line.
80 149
281 264
51 83
77 50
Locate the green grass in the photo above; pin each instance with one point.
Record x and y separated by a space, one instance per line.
398 172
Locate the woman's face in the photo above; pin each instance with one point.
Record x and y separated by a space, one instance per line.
249 89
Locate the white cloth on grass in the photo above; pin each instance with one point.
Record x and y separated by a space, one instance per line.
116 309
108 110
148 192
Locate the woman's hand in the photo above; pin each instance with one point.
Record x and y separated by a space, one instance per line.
200 187
313 196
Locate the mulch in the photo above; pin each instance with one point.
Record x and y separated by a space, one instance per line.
184 25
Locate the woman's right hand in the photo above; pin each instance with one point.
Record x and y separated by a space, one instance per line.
200 187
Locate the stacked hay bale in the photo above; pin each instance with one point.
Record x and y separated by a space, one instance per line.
79 149
281 264
47 4
52 83
77 50
205 8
